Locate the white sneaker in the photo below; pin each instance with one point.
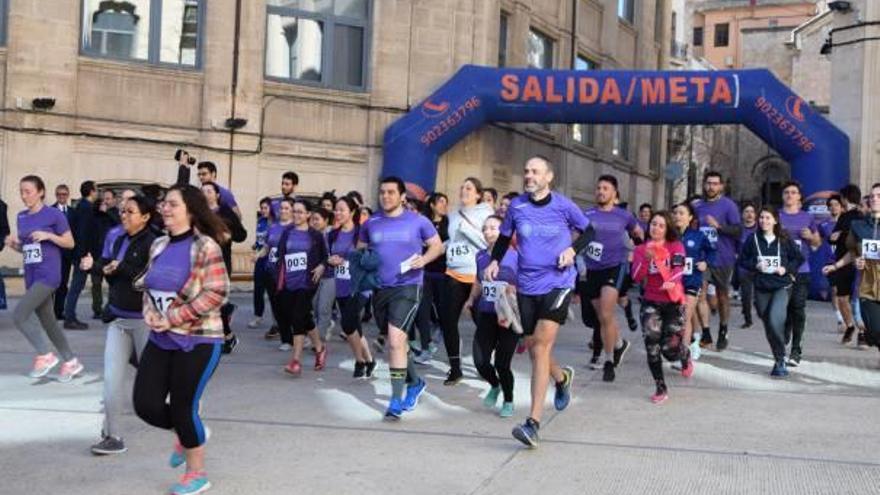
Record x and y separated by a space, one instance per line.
695 350
423 358
285 347
255 323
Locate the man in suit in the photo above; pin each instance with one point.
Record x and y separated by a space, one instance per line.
84 229
62 202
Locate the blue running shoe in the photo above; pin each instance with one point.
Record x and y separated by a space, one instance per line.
394 411
492 397
191 483
527 433
779 370
563 390
413 392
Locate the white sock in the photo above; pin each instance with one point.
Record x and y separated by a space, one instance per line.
609 356
839 316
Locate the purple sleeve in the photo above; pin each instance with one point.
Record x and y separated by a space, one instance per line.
733 217
426 228
576 218
631 223
227 198
60 225
507 225
364 234
107 251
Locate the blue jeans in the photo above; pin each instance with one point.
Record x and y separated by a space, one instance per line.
77 284
772 308
260 287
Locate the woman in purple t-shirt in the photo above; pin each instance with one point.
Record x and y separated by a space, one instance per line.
343 241
42 233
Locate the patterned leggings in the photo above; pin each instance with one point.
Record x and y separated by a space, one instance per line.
662 326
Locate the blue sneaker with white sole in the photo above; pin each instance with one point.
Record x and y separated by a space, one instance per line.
395 410
563 390
413 392
527 433
191 483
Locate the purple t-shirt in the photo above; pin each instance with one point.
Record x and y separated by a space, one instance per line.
297 275
396 240
273 238
793 223
226 197
168 274
112 235
506 276
344 243
607 249
542 234
42 260
726 213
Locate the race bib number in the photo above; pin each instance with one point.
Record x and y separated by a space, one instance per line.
33 253
769 264
711 233
342 272
688 266
273 255
594 250
296 262
458 252
652 268
162 300
871 249
491 290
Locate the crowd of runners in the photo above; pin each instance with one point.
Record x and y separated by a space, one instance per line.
513 264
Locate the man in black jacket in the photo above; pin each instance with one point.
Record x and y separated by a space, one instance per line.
62 203
84 229
106 218
4 232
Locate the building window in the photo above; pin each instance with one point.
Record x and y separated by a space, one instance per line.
584 133
620 142
626 10
321 42
502 40
722 32
164 32
539 50
698 36
4 16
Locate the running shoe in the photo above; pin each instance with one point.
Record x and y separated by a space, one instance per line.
453 377
432 348
706 340
229 344
696 350
848 335
70 369
620 352
521 346
608 372
413 392
595 363
527 433
660 395
794 360
368 371
293 367
395 410
722 340
255 323
178 458
779 370
359 369
423 358
109 446
285 347
687 369
747 324
506 410
563 390
43 364
191 483
272 333
321 359
492 397
862 341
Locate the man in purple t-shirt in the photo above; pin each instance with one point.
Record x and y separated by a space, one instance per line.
207 172
289 181
398 237
801 227
720 223
543 222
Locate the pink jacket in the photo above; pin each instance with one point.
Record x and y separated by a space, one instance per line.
667 266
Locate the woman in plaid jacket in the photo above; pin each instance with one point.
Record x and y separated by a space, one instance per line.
185 285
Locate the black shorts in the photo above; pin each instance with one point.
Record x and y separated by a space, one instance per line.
350 308
551 306
719 277
843 280
397 306
614 277
295 310
693 291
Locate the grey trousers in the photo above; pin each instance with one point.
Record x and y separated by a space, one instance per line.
34 316
123 336
323 302
772 308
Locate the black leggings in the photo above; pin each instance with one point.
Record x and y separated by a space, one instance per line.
492 337
433 289
662 325
590 318
350 311
294 309
182 376
452 301
871 317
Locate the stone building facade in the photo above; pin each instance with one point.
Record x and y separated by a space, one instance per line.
317 81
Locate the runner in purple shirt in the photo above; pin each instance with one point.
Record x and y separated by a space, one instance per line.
289 181
42 233
544 223
398 236
801 227
207 172
605 258
720 222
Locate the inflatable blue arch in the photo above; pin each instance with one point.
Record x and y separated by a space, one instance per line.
817 150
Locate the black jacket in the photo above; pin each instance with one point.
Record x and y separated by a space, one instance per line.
66 253
83 227
791 260
4 224
122 294
239 234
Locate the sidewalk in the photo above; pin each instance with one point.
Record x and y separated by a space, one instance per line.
730 429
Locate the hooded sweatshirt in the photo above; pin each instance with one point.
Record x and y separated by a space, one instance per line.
465 240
